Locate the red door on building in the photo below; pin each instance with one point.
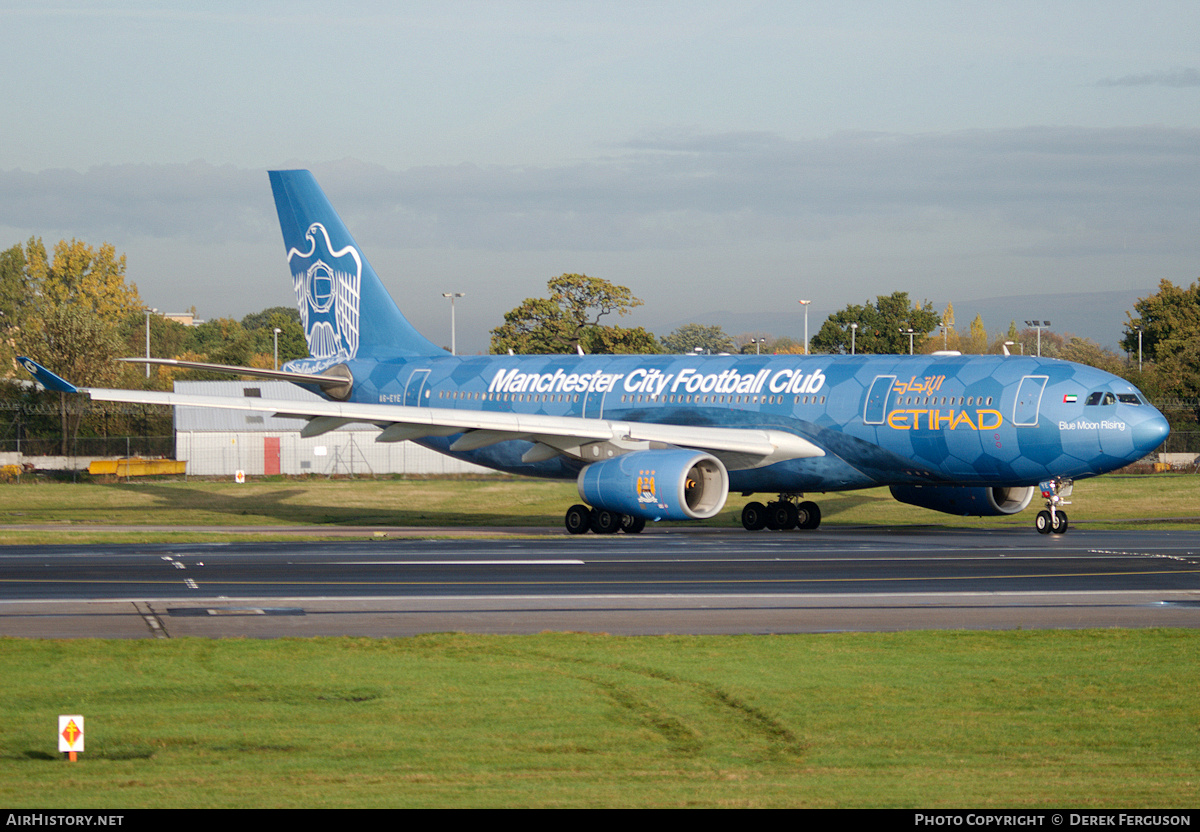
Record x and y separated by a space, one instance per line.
270 455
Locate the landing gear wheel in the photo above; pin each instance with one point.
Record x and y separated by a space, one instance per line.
810 515
754 517
631 524
1060 522
781 516
605 522
1042 522
1054 519
793 516
579 519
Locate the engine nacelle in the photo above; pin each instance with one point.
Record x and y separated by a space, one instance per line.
657 485
966 501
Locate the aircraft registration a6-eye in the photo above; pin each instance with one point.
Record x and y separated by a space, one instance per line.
667 437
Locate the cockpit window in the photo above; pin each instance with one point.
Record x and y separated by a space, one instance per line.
1094 398
1128 398
1103 397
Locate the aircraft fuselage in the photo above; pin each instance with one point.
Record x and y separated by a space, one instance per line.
882 420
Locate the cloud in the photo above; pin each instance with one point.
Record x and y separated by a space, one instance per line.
1172 78
190 201
1075 186
675 216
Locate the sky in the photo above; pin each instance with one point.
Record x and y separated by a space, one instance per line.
721 159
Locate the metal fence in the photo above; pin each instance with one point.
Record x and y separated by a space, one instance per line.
1181 442
153 447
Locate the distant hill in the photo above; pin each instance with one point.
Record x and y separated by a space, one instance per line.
1096 315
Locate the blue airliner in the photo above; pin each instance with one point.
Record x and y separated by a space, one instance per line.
667 437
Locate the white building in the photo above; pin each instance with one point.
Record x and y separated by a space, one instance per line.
218 442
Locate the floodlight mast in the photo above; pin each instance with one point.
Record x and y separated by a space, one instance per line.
805 304
452 296
1038 326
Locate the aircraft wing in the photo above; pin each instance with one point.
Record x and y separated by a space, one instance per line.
583 439
578 438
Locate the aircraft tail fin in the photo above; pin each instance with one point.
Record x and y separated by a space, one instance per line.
345 310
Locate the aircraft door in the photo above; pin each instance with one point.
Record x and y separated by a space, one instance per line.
414 389
1029 401
593 405
875 408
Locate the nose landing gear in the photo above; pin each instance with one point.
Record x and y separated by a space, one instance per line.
1053 518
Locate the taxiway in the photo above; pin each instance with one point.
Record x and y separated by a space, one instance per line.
676 581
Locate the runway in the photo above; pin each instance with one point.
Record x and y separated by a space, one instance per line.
669 581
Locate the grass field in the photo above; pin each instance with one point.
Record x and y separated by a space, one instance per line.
1114 501
1078 719
1081 719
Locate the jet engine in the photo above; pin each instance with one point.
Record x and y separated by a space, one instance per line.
965 500
657 485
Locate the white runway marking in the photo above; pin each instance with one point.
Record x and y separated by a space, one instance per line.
572 562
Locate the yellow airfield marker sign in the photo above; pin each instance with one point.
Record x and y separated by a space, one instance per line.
70 735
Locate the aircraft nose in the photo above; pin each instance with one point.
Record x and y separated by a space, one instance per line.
1150 432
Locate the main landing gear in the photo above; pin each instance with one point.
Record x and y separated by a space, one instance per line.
1054 519
580 520
780 515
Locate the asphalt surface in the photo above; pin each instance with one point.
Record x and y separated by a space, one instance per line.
670 581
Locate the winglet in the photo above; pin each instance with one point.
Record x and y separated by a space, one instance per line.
46 378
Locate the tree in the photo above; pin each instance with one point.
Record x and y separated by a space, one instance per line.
167 338
80 274
15 295
261 326
222 341
266 318
977 339
951 340
15 298
78 345
690 337
1170 324
616 340
770 345
75 305
785 346
882 326
1086 351
567 319
1168 319
1052 343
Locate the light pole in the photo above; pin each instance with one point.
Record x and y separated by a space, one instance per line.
910 332
853 332
758 342
1038 325
452 296
805 304
277 331
148 312
1139 349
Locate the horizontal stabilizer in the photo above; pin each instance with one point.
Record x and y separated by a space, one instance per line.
325 381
